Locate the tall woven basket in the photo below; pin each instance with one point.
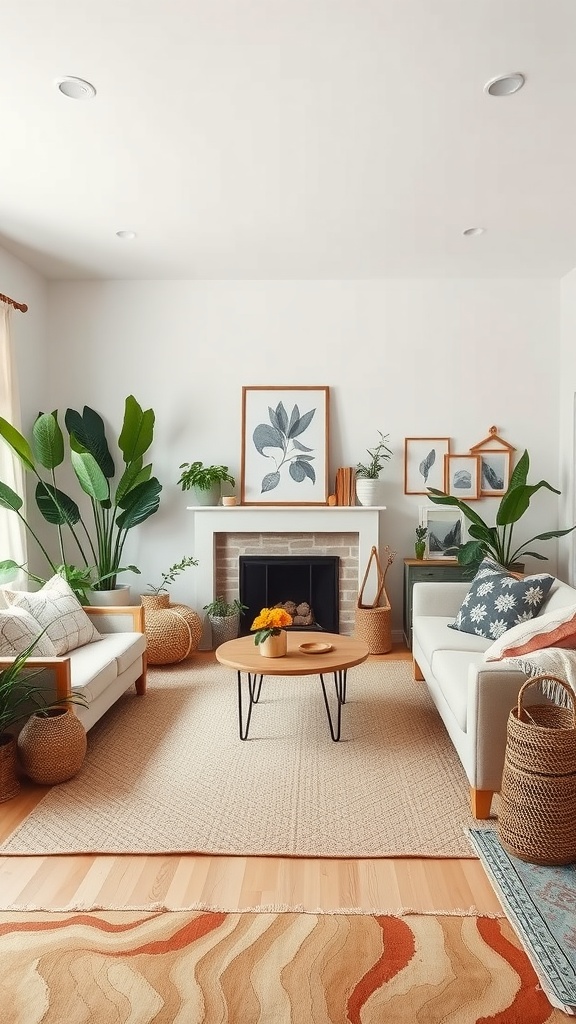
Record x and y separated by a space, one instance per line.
537 816
374 621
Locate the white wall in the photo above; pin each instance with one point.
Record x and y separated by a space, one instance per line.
567 425
28 330
410 358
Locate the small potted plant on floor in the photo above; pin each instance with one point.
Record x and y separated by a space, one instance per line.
368 474
21 697
205 482
224 619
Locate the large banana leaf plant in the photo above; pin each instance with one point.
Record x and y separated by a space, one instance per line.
116 507
496 541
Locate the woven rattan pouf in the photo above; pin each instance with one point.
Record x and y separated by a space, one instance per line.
173 631
52 746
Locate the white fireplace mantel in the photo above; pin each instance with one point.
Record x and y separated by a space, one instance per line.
211 520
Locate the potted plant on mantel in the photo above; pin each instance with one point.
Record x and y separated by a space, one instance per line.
367 475
496 541
205 482
115 510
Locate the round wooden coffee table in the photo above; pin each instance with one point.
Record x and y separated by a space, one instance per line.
344 652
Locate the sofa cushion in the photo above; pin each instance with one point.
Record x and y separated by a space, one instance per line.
451 675
57 610
433 634
94 667
556 628
497 600
18 630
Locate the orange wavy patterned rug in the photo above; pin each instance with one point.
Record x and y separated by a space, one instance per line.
250 968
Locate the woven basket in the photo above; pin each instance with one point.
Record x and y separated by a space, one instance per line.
52 747
173 631
374 621
537 816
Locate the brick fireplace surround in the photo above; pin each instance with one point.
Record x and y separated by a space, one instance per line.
222 534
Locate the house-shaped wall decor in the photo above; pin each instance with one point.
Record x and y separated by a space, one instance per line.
496 463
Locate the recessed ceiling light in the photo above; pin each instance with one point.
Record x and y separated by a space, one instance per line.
126 234
76 88
473 231
505 85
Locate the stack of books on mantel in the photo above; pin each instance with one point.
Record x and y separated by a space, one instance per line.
346 486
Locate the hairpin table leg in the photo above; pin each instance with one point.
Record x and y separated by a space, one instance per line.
254 690
340 687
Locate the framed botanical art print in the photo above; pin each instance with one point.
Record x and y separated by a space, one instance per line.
445 528
463 476
424 463
284 445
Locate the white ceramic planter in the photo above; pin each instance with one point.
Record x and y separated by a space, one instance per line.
109 598
367 491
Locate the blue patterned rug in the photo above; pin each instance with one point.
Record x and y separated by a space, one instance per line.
540 903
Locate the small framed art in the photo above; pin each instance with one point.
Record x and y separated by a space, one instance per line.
284 445
445 528
424 463
462 476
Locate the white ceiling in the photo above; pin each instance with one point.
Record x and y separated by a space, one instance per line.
289 138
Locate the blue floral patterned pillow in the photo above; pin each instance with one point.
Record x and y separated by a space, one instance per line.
497 601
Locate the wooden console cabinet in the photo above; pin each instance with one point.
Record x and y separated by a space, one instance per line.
417 571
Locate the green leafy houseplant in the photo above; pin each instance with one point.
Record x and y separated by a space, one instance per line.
169 576
496 541
378 456
19 694
116 506
196 474
219 608
420 542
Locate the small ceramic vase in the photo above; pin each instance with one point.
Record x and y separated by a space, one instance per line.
274 646
420 548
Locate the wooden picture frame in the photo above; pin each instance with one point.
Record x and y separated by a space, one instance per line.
285 434
445 526
462 476
495 464
424 463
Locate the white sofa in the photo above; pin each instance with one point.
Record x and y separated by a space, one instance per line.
473 697
101 670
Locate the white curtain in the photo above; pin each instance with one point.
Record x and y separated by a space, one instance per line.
12 533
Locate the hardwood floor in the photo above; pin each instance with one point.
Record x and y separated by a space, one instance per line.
419 884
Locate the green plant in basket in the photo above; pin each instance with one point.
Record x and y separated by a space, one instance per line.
170 575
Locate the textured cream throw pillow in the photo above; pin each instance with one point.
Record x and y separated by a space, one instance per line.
18 629
57 609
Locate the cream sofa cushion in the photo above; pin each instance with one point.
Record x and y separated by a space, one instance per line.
57 610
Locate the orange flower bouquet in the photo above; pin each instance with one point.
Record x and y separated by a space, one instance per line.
270 622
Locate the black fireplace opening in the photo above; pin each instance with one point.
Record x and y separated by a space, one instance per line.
304 581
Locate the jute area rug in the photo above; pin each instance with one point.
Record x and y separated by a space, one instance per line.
247 968
167 772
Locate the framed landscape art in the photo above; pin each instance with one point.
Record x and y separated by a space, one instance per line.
463 476
445 531
424 463
284 445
